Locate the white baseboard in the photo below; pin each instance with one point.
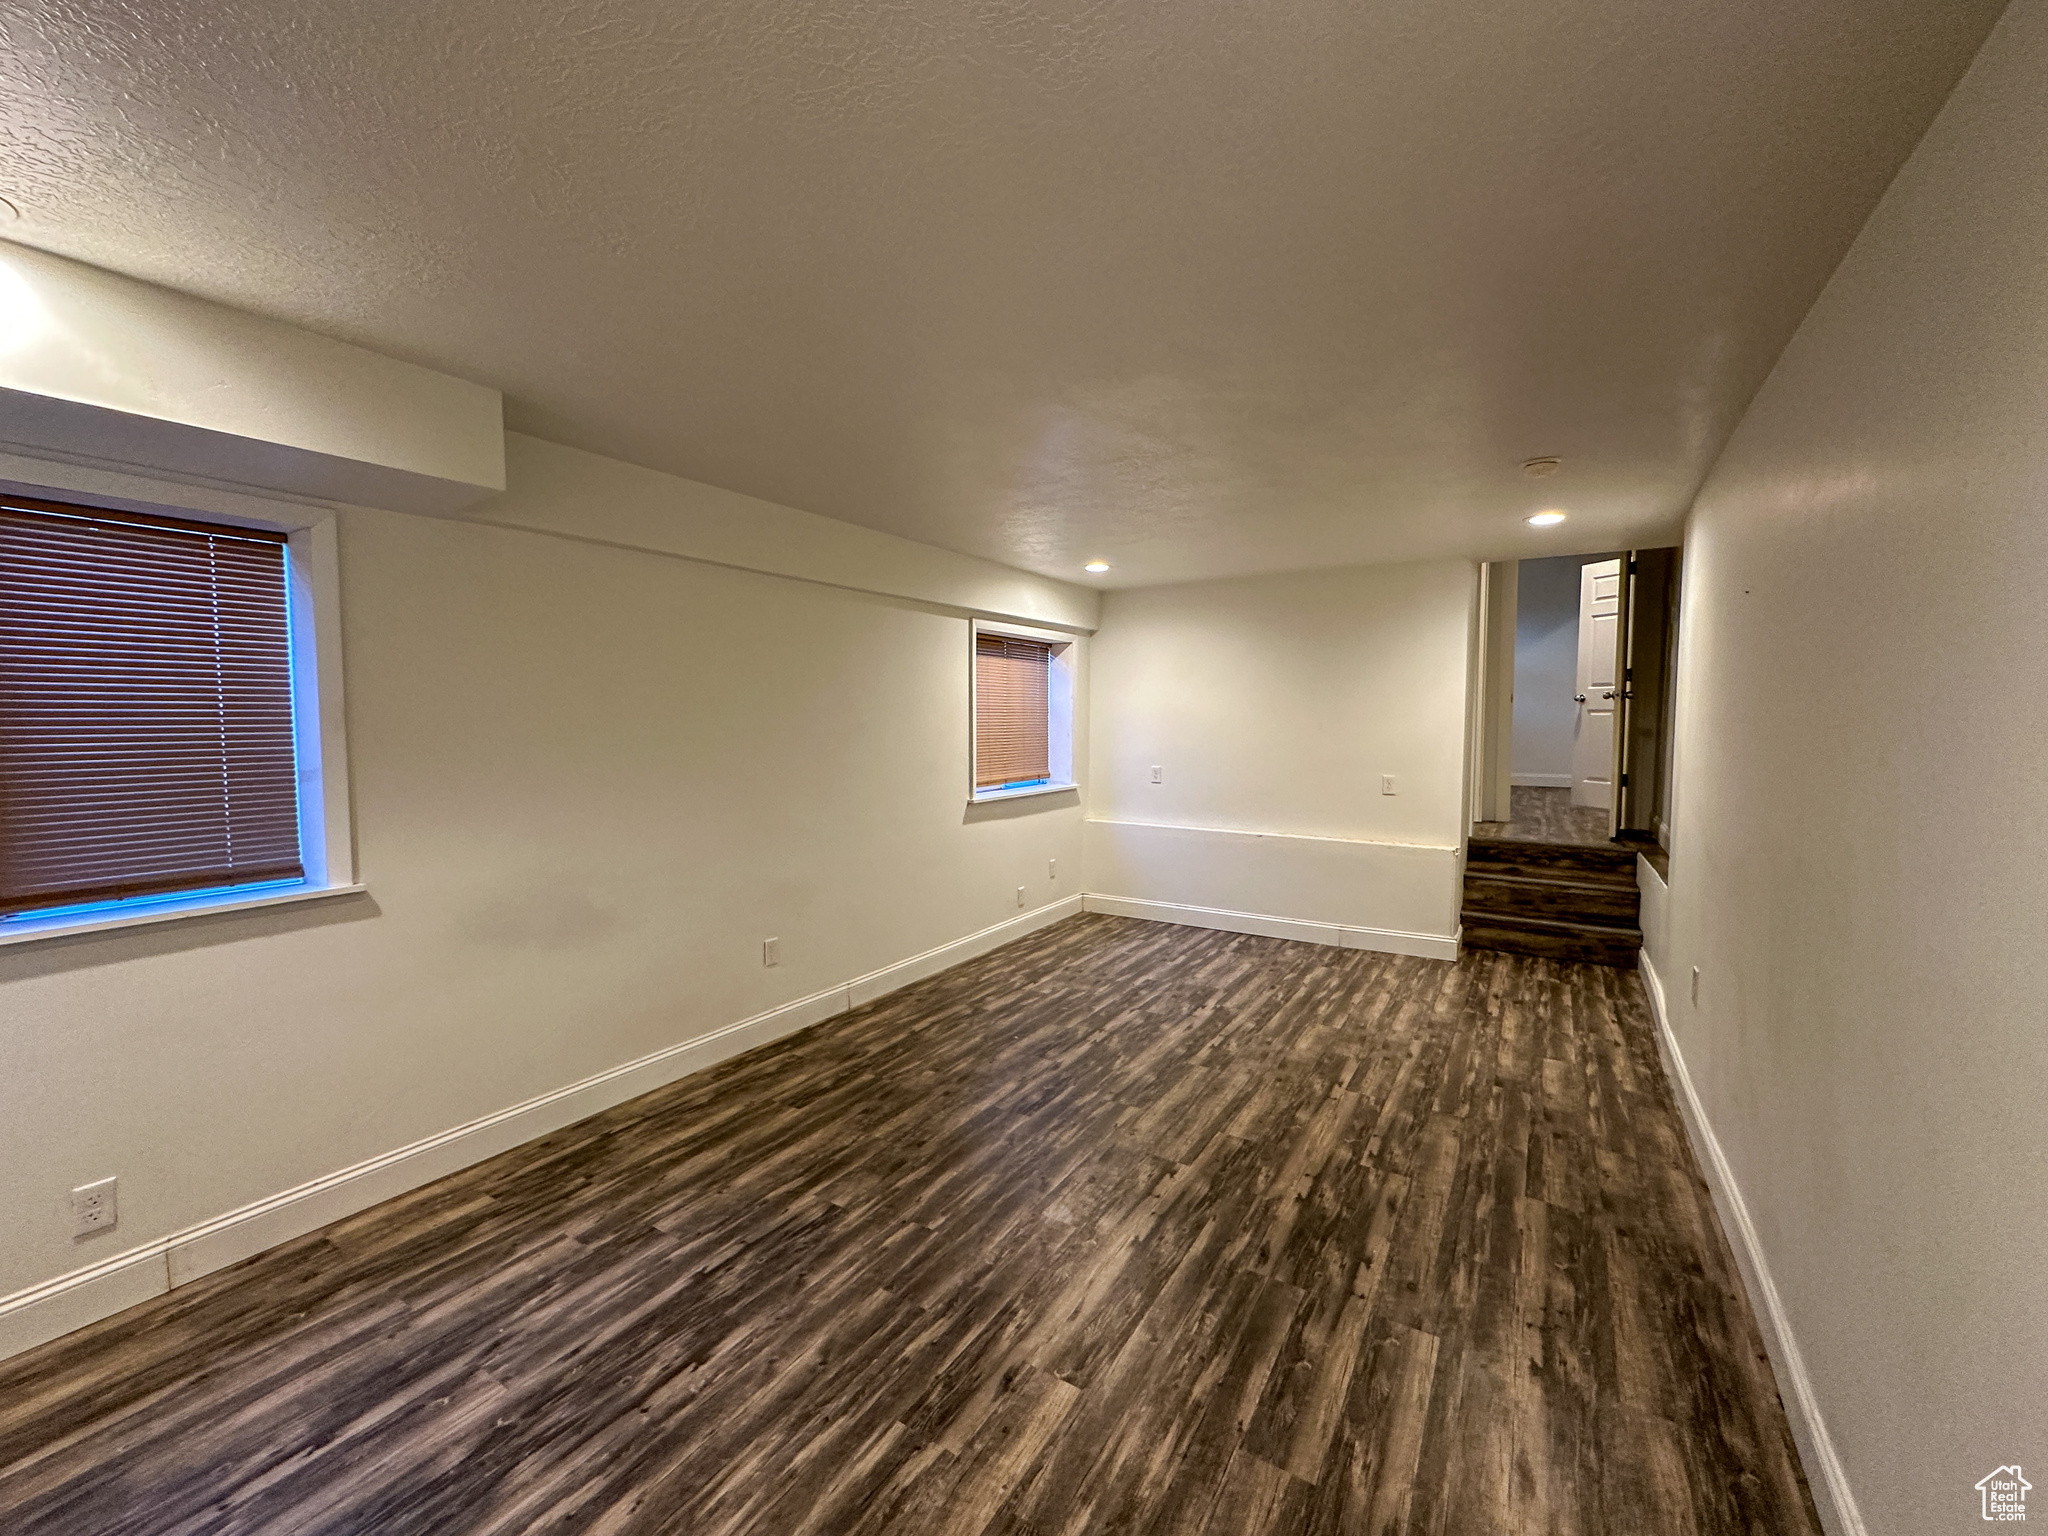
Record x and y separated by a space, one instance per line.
1541 780
83 1296
865 989
1825 1475
1429 946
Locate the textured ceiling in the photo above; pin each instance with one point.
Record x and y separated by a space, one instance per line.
1198 288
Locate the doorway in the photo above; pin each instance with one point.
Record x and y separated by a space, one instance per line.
1572 718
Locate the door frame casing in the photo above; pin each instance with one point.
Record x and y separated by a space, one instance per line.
1494 712
1642 659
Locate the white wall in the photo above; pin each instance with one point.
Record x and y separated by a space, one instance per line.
588 780
1859 866
1546 668
1272 706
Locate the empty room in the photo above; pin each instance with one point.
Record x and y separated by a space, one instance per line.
1023 770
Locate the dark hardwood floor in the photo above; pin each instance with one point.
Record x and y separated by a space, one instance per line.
1543 815
1124 1228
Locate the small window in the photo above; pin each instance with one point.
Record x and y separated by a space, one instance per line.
1023 713
1010 700
147 735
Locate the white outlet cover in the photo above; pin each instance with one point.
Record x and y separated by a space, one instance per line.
94 1207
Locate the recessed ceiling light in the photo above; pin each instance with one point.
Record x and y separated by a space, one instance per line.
1096 567
1546 520
1538 468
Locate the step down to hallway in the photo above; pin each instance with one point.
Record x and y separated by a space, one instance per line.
1561 901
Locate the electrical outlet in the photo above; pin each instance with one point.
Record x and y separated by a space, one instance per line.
1695 986
1020 895
1052 869
771 951
92 1208
1386 783
1158 774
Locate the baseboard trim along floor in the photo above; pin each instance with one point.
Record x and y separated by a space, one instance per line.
1389 941
71 1301
1833 1499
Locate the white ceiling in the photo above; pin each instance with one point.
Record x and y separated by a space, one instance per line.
1198 288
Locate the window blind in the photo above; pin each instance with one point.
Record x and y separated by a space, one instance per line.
146 741
1010 701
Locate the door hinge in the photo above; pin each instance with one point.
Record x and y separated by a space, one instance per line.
1631 565
1624 781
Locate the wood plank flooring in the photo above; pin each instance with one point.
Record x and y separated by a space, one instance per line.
1541 814
1123 1228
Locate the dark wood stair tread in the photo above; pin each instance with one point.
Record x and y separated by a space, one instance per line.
1568 879
1605 845
1573 902
1618 858
1490 918
1573 943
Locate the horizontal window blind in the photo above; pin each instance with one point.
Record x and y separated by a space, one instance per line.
1010 698
146 739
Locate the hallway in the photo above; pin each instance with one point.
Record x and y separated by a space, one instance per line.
1126 1226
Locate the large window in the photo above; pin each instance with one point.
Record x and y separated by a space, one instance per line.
148 739
1023 712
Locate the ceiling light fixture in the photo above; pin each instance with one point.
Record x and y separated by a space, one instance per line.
1096 567
1537 468
8 210
1546 520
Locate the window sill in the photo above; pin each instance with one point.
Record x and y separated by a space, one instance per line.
28 930
983 796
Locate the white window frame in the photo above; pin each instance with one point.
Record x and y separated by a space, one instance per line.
320 746
1059 705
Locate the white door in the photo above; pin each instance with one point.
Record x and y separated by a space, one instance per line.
1593 743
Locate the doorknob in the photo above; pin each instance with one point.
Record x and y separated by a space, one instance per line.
1608 694
1578 698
